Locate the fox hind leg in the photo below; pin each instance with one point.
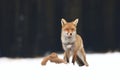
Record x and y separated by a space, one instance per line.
84 56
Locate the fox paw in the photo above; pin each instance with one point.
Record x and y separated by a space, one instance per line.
73 62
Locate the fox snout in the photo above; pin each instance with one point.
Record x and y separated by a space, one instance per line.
69 34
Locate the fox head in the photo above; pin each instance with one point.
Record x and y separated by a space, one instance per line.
69 28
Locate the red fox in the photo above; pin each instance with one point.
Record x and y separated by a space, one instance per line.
72 43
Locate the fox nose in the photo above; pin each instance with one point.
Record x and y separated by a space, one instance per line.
70 34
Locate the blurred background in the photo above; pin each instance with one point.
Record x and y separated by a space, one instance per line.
30 28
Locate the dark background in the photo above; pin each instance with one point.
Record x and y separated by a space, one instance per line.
30 28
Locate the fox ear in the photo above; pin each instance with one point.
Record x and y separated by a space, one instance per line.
75 21
63 21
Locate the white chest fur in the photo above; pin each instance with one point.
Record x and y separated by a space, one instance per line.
68 41
69 46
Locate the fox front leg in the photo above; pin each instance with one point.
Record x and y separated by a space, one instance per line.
66 56
74 57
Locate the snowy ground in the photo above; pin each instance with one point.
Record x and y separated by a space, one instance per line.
101 67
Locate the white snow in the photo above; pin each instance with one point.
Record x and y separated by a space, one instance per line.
105 66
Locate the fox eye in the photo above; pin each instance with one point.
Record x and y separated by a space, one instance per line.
72 29
66 29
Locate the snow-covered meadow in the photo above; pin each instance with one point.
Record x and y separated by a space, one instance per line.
104 66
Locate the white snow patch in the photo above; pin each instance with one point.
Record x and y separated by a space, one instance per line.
101 67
